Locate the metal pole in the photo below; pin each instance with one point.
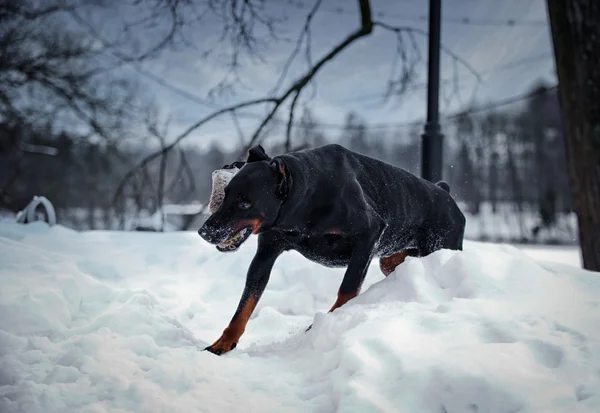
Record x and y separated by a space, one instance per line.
432 138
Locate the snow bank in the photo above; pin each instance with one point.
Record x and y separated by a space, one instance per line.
115 322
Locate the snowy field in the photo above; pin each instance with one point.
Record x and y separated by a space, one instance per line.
115 322
508 225
504 225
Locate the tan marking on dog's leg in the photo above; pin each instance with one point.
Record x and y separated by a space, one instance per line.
343 299
389 264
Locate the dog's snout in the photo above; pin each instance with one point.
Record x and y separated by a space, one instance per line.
211 233
206 233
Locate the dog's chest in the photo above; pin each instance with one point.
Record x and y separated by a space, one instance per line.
331 250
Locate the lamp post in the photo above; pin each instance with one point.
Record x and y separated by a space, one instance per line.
432 138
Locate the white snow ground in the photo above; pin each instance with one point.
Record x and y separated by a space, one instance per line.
114 322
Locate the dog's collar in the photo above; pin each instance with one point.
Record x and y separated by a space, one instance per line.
287 177
285 170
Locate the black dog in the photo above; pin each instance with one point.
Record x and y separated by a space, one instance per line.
334 206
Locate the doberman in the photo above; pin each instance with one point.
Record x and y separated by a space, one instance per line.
334 206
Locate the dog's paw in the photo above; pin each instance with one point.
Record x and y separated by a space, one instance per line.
221 346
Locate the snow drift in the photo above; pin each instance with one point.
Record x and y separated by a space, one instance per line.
115 322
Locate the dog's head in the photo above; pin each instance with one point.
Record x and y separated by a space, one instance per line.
251 202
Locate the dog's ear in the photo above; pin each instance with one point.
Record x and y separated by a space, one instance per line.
236 164
283 178
257 154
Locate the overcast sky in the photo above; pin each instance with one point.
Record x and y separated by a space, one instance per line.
510 59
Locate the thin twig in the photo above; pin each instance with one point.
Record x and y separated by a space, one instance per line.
400 29
238 127
288 132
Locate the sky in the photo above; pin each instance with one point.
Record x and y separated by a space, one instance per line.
510 59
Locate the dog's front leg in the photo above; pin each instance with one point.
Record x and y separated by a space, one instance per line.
256 281
363 251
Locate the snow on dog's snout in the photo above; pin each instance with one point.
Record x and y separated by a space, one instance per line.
220 179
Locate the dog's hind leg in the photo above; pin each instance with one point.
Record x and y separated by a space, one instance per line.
454 241
388 264
362 254
451 239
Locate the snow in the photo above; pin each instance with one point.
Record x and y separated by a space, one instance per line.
220 179
115 322
182 209
569 255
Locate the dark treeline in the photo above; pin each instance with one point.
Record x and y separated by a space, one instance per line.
507 161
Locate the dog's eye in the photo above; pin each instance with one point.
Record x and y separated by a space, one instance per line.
243 202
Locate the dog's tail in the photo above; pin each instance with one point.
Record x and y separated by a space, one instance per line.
444 185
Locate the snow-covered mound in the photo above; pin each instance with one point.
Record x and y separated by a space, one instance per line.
115 322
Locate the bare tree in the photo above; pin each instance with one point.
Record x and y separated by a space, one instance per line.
59 74
49 71
309 134
470 160
490 127
65 65
173 170
576 37
240 20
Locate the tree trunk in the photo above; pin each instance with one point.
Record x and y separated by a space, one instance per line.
576 36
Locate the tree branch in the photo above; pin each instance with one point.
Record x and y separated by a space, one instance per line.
179 138
288 133
400 29
365 29
238 127
305 32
